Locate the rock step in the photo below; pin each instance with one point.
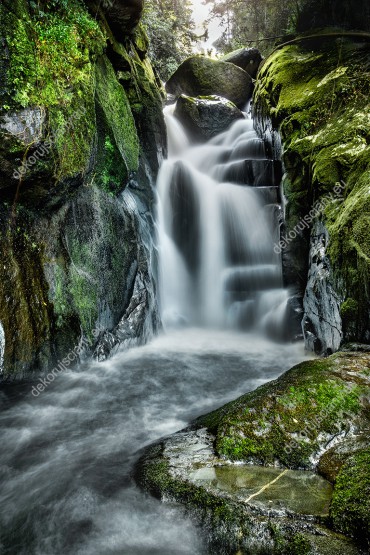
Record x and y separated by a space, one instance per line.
251 172
252 278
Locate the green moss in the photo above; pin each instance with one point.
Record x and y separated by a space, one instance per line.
25 306
350 508
348 308
118 118
319 99
51 47
283 420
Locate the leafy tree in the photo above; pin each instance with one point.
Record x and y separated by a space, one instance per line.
170 28
254 21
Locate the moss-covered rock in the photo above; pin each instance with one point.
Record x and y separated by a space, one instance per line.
206 117
200 76
248 59
316 93
350 508
314 416
77 168
293 420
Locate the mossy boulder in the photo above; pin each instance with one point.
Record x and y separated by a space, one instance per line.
316 94
350 508
200 76
318 410
206 117
293 420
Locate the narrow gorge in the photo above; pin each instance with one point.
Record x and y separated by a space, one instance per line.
184 285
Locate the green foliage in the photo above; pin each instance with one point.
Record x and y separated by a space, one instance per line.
171 33
248 22
51 52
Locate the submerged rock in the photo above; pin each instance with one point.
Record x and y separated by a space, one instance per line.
204 118
200 76
308 419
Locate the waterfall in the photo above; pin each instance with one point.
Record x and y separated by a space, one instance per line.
218 221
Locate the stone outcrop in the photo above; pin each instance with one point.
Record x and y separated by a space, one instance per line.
82 137
204 118
313 418
200 76
322 324
326 161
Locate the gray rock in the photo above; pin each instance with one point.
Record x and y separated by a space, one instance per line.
200 76
26 125
322 324
204 118
122 15
248 59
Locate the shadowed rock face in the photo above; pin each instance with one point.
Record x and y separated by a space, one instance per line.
204 118
77 169
200 76
248 59
122 15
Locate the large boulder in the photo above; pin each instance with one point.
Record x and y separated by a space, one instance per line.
204 118
248 471
248 59
200 76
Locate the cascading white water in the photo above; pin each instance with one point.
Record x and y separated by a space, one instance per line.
217 223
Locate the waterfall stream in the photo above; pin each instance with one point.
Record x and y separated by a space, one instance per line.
68 452
218 221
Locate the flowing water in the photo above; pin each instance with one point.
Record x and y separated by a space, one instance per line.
67 454
218 221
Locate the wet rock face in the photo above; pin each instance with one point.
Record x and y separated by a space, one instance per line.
248 59
200 76
204 118
2 347
322 324
326 163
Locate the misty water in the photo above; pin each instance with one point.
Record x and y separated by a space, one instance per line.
67 455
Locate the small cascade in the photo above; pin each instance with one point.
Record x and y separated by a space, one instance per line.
218 220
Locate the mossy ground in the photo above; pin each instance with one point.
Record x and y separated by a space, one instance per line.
317 94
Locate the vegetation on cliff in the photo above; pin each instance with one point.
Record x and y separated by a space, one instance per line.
316 93
80 119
